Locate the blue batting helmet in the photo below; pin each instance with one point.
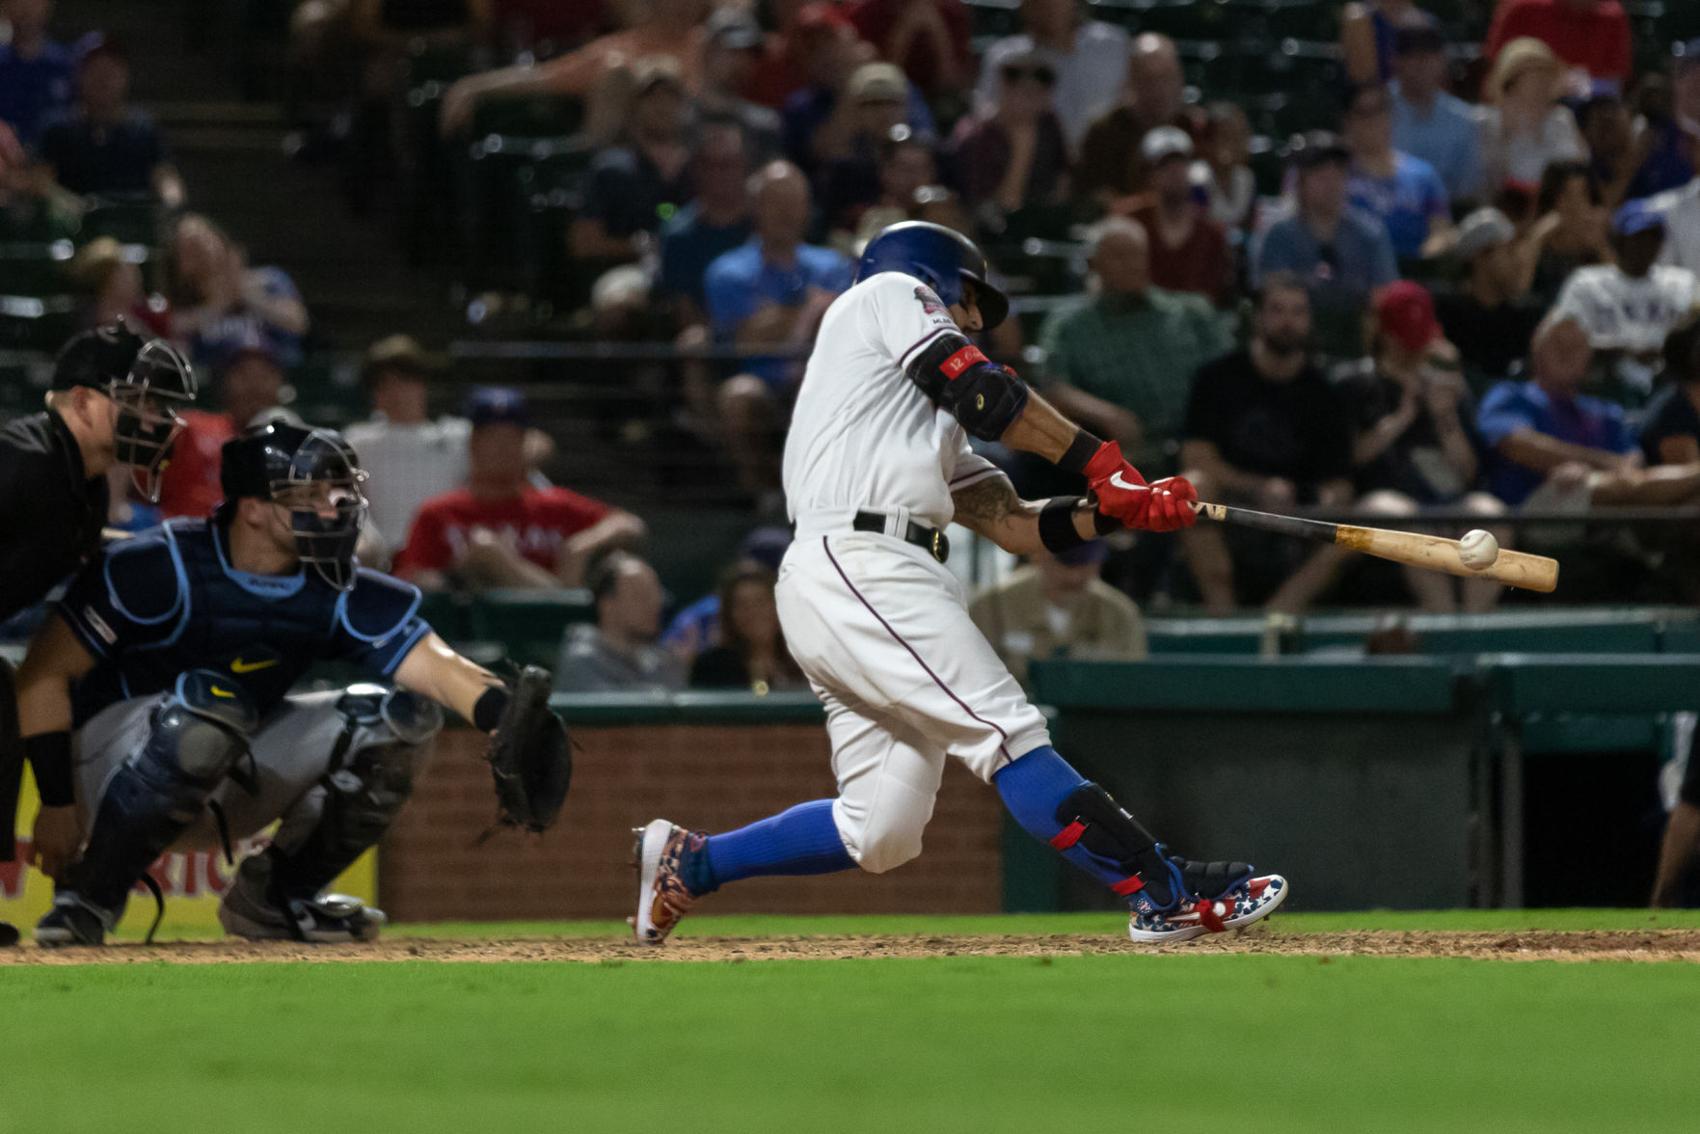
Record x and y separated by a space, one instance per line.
939 256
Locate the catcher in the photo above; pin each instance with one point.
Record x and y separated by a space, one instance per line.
154 705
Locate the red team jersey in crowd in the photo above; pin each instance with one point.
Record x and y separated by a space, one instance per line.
536 523
1597 40
189 486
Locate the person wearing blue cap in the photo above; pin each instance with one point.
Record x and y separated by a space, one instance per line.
1057 606
500 530
1633 305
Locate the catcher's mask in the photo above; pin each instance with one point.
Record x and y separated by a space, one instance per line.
314 475
147 380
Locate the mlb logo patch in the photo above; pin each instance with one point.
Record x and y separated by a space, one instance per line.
930 302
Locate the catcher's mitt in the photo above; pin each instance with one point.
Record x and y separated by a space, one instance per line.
530 756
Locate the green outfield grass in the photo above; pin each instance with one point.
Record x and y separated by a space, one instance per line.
1091 1043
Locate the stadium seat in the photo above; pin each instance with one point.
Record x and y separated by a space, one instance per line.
528 623
128 222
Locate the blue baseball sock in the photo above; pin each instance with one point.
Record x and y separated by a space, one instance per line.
1033 788
803 840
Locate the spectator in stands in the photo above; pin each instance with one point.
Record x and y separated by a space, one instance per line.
1403 191
1056 606
670 28
1189 250
1609 134
732 49
1340 253
1573 229
1488 318
500 530
1591 36
618 652
103 145
633 187
408 457
1551 447
33 209
1680 209
217 299
906 167
1369 33
716 221
1155 96
1526 128
1231 186
802 29
1119 363
248 380
1632 305
114 289
1088 57
848 167
1670 430
751 654
697 627
1012 154
927 39
1429 122
772 291
1264 427
12 155
1664 140
36 73
848 105
1414 443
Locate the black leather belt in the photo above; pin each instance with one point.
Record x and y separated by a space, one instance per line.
930 540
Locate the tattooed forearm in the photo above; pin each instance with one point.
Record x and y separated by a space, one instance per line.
986 503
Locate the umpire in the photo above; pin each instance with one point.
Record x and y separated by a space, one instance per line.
114 401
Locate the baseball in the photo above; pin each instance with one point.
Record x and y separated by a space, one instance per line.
1478 549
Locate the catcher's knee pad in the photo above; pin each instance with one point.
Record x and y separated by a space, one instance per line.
1092 819
381 753
195 738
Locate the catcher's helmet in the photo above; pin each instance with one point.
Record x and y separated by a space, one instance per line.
146 379
315 474
939 256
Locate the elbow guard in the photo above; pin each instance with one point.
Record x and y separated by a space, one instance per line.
984 397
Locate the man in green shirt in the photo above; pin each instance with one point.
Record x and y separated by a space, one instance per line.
1121 362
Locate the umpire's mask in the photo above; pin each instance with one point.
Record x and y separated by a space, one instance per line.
321 488
159 381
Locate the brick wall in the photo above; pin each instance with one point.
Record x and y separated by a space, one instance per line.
708 776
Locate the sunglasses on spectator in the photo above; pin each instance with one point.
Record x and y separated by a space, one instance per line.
1042 75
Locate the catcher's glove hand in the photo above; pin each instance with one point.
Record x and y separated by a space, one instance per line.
530 756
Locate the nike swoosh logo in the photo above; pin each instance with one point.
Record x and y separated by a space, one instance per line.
217 692
240 666
1115 479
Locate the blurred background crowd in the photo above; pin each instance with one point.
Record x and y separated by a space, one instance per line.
556 266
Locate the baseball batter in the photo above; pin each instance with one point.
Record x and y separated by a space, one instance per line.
877 463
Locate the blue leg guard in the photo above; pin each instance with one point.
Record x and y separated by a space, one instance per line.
196 738
1057 805
803 840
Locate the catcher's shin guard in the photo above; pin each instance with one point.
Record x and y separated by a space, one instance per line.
197 736
380 753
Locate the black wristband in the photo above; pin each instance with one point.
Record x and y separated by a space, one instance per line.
50 757
1080 451
1056 524
492 703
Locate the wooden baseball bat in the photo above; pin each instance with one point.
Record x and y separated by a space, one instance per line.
1431 552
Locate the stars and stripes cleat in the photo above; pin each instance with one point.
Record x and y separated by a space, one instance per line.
662 895
1243 904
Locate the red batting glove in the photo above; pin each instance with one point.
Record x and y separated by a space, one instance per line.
1123 495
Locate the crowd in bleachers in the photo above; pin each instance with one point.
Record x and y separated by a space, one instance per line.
1381 258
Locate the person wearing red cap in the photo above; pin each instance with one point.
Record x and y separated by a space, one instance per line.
1414 443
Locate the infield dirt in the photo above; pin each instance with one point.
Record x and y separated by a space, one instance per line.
1632 945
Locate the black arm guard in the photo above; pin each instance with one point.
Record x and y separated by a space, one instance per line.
985 397
1056 523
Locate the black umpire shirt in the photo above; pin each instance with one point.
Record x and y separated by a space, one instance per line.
51 511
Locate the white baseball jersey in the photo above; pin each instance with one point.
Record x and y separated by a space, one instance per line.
862 434
1623 313
881 627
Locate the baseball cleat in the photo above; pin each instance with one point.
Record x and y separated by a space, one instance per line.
1243 904
662 896
72 921
249 910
